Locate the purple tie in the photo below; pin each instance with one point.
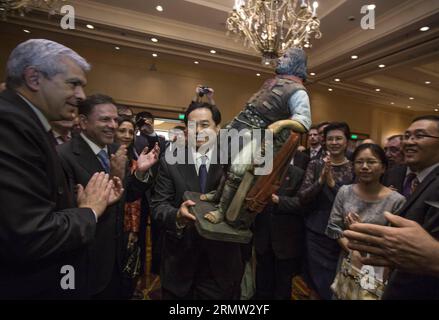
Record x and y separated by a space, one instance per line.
408 184
202 174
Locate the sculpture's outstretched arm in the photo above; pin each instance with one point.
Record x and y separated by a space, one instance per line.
294 125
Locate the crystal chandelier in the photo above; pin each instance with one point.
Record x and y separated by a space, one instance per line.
21 7
273 26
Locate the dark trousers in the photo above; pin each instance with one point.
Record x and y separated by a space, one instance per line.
205 287
274 276
115 290
321 263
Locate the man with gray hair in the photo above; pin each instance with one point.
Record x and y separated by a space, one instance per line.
393 150
42 238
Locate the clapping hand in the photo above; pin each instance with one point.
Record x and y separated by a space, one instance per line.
116 191
147 159
118 163
352 218
95 194
326 175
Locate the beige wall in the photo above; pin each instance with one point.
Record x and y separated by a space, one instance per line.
125 75
378 122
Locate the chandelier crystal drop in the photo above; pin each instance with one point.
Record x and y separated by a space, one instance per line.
273 26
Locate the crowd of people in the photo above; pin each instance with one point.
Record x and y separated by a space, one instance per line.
82 177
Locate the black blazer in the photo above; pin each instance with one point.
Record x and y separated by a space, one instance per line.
301 160
281 226
80 163
395 177
185 252
38 233
106 251
422 207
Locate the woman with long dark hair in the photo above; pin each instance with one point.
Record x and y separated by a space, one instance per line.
134 226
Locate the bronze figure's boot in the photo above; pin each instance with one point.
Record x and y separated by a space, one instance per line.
227 195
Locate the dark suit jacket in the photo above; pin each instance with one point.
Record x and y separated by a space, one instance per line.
185 252
281 226
422 207
301 160
308 153
106 251
395 177
38 233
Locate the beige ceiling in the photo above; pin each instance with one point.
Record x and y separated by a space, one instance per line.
188 29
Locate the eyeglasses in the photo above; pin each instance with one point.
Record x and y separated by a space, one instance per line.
369 163
336 139
417 136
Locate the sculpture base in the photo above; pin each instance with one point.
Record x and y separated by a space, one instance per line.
219 231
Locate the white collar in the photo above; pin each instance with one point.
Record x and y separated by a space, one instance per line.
94 147
198 158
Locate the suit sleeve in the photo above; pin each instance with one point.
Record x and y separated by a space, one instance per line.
310 187
136 188
30 226
290 204
163 210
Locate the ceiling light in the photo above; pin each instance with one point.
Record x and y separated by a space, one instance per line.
437 110
427 82
392 102
258 74
271 27
411 98
408 107
154 40
330 89
155 55
337 80
267 63
25 30
196 62
377 90
90 26
424 29
159 8
382 66
371 7
354 57
212 51
312 74
117 48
